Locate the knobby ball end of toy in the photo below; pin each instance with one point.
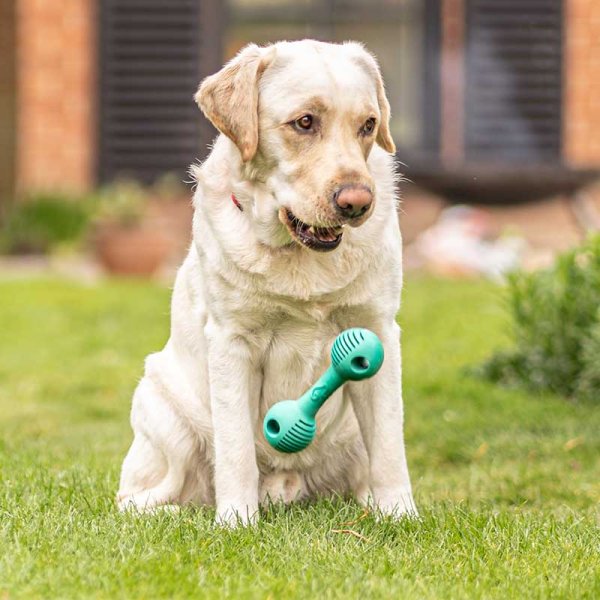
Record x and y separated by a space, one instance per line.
287 428
356 354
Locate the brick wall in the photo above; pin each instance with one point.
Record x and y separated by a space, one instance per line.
582 83
452 73
56 120
7 104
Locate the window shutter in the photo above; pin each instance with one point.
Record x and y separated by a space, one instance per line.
153 54
513 80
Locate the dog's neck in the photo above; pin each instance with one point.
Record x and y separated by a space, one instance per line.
254 242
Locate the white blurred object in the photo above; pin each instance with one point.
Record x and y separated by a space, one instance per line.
462 243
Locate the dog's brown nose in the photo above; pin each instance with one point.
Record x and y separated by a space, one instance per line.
353 201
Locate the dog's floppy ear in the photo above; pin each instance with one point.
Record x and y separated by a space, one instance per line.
384 136
369 63
229 98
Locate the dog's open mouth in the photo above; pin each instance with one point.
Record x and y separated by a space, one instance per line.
314 237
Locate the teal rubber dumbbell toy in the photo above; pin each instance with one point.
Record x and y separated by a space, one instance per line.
289 425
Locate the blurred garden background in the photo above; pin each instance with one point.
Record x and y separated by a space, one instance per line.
496 116
495 109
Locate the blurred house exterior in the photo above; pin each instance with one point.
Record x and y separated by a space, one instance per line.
482 91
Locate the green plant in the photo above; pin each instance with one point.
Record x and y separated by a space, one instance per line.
38 223
121 203
556 327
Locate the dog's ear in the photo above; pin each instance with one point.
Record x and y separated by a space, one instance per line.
366 60
384 136
229 98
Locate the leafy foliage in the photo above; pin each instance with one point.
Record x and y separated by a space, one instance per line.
37 224
122 203
556 327
40 222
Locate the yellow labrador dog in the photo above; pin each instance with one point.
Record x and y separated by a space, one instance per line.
295 238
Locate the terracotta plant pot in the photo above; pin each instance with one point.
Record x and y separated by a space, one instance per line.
135 250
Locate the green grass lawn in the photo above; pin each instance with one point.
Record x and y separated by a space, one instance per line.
508 484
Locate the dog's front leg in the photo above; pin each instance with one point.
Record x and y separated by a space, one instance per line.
378 407
236 471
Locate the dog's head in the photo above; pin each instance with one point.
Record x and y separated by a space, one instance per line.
304 117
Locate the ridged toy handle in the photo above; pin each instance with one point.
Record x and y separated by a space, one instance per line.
289 426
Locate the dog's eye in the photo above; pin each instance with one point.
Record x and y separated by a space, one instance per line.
304 123
369 127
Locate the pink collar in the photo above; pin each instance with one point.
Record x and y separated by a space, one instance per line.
236 202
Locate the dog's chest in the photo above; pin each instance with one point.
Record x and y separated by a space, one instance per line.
298 348
297 355
296 341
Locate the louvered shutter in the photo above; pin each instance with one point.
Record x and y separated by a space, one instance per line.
513 80
153 54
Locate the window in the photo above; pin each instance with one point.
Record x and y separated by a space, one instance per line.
513 80
401 33
152 55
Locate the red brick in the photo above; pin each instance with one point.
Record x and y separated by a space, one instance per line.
56 66
582 73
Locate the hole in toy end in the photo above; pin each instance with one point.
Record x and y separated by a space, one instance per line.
360 363
273 427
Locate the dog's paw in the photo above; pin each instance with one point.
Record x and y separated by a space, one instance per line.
130 503
142 504
231 516
397 505
362 494
285 486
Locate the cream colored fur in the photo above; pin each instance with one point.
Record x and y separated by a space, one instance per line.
254 313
